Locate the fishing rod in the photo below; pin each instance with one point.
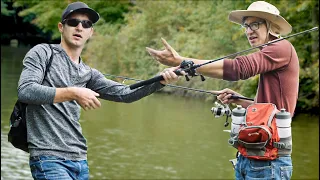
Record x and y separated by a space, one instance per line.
189 67
182 87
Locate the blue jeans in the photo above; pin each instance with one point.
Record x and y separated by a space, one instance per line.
280 168
52 167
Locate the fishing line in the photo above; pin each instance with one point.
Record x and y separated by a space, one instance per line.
182 87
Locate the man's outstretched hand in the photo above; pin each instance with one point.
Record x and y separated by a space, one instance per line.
168 56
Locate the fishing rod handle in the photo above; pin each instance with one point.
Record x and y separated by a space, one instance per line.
239 97
152 80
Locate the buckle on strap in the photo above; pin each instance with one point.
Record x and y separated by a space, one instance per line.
281 145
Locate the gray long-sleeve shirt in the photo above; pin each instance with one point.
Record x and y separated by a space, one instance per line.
54 128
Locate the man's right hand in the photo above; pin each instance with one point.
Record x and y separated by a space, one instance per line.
168 56
85 97
225 94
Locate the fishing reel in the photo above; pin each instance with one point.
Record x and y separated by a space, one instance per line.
221 110
188 67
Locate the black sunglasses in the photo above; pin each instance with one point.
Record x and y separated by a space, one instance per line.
75 22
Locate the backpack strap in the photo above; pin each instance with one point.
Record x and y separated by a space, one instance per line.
272 115
50 62
285 143
90 77
281 145
284 146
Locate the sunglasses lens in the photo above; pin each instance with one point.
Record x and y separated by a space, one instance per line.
86 23
75 22
72 22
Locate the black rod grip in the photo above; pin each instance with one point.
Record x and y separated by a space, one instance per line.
152 80
239 97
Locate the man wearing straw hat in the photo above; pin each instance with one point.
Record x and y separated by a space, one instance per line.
278 67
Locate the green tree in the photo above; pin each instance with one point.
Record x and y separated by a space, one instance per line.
4 8
44 13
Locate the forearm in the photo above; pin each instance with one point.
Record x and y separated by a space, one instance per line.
65 94
214 70
33 93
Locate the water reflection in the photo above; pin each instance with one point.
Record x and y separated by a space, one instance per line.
153 144
14 162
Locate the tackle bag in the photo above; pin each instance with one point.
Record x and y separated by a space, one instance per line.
17 135
259 132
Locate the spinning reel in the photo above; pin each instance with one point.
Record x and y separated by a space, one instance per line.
221 110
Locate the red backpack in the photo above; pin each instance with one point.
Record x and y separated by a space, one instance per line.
259 132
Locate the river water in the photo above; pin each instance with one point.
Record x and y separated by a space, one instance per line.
159 137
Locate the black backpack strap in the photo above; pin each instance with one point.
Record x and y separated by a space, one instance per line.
50 62
90 77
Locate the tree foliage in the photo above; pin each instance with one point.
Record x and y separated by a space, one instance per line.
198 29
46 14
4 10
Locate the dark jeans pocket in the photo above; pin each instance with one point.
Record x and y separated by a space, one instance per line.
37 170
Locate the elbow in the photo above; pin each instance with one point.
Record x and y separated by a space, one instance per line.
33 94
22 95
25 94
230 76
235 76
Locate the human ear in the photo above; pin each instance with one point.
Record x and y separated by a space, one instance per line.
60 27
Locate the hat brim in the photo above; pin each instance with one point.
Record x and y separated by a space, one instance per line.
283 26
93 15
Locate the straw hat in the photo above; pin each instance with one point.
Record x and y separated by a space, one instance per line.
263 10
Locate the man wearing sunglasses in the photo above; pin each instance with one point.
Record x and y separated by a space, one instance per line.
56 144
278 67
